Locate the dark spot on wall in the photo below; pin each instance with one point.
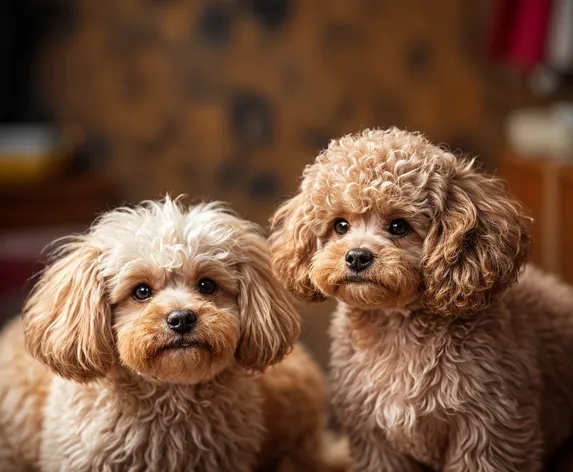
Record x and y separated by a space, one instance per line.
128 38
418 57
317 139
154 147
291 78
340 35
230 174
389 111
344 111
252 119
188 171
134 86
264 185
271 13
202 86
93 154
215 23
463 145
373 8
243 156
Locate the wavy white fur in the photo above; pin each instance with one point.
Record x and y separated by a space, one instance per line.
107 391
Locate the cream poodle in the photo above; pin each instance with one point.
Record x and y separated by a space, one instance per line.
146 336
442 356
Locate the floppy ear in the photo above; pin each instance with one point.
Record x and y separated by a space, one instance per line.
270 325
477 245
292 246
67 321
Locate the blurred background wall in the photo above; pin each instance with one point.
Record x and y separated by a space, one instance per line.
230 99
110 101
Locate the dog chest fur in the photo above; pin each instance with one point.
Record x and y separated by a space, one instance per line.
155 427
401 379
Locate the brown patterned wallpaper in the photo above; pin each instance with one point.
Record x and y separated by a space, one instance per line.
229 99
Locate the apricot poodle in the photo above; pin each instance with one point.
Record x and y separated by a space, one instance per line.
442 355
146 336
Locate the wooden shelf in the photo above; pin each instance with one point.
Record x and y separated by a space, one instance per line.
545 187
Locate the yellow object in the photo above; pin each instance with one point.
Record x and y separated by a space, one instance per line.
30 153
31 168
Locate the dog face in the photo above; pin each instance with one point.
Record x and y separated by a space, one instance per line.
172 295
385 219
177 324
370 259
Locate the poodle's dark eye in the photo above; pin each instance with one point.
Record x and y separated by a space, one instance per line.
399 227
341 226
207 286
142 292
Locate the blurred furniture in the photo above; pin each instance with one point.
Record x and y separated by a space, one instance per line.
33 215
73 200
545 187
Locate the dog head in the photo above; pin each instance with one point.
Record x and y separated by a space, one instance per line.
171 294
386 219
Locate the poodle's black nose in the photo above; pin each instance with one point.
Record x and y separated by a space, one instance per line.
359 259
181 321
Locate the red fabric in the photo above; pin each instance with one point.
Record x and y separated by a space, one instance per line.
15 274
519 32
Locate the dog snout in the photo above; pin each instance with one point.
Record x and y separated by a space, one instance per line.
359 259
181 321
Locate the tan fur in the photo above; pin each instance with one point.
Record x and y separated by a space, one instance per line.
107 393
69 328
439 358
308 393
24 385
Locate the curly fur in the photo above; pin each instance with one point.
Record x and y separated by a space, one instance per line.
111 394
442 355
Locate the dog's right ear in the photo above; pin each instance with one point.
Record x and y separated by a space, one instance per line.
292 246
67 319
477 245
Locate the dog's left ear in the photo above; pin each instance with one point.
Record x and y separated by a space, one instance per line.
270 324
477 244
67 318
292 245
